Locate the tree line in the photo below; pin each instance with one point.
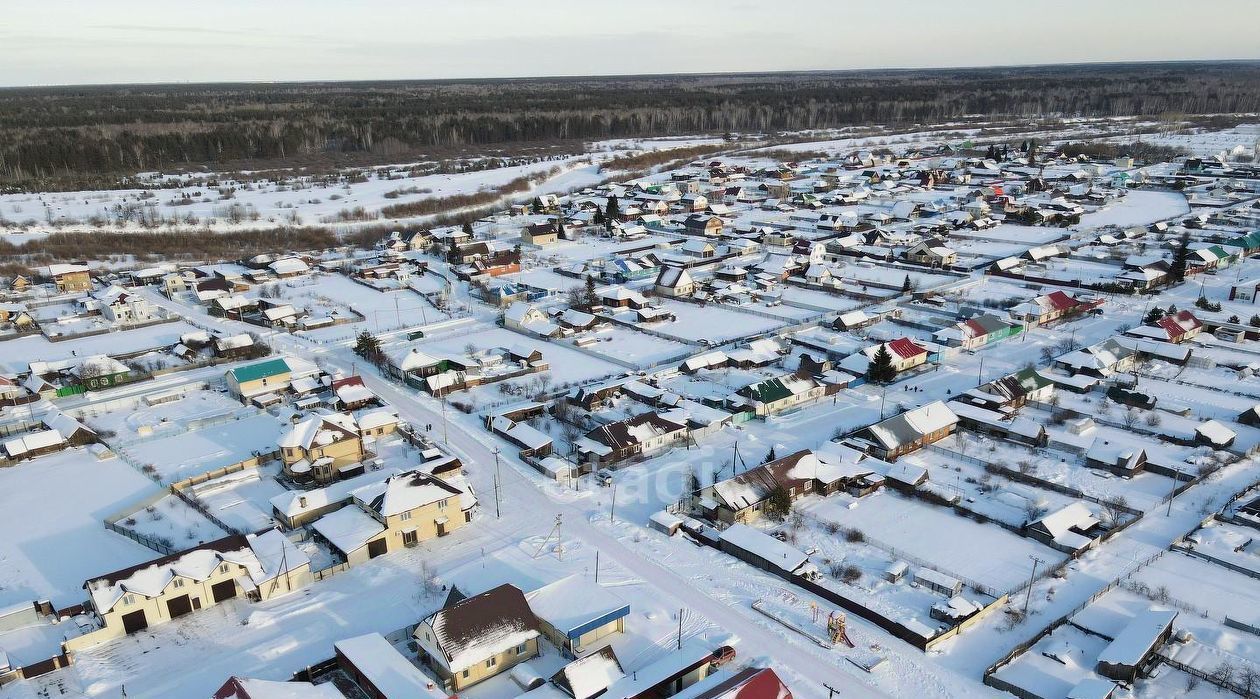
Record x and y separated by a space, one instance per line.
51 137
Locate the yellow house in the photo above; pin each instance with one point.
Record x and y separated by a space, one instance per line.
70 277
400 511
478 637
257 379
317 446
257 566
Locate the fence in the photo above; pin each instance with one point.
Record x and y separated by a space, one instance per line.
141 539
991 680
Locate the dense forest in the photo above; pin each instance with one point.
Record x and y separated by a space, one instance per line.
55 138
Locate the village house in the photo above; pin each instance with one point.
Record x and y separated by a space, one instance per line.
478 637
700 224
318 446
234 346
70 277
123 307
1133 651
539 234
775 395
1048 307
977 332
1175 328
746 497
643 434
271 376
674 282
905 353
397 512
908 432
1071 529
934 255
259 566
528 318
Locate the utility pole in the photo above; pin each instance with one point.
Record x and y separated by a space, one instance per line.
613 510
1172 492
397 312
497 513
882 397
980 375
1032 577
831 691
680 616
444 419
596 566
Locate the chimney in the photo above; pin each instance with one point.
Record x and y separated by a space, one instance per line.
302 501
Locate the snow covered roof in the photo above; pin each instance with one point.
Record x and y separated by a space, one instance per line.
765 547
244 688
586 678
348 529
478 627
1138 638
570 603
393 676
198 563
913 424
404 492
290 503
318 430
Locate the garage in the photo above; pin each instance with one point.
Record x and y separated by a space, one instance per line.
223 591
135 621
179 606
377 548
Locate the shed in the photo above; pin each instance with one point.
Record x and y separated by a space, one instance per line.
1135 645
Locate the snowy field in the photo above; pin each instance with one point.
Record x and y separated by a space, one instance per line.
173 416
713 322
68 493
938 536
17 354
180 456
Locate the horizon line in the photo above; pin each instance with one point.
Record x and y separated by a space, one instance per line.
612 76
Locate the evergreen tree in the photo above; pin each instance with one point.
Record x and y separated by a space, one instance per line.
1153 315
467 229
590 298
881 369
770 456
613 210
367 346
560 226
906 286
599 219
779 504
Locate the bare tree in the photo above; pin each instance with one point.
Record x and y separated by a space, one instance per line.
1131 417
1114 509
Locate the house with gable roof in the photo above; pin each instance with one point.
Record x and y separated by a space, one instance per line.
259 566
478 637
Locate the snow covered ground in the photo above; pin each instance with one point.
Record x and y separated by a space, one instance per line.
68 494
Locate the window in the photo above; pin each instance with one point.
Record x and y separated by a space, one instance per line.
179 582
492 662
520 650
223 568
405 516
466 672
442 503
129 600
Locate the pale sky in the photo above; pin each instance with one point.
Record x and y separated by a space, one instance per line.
44 42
